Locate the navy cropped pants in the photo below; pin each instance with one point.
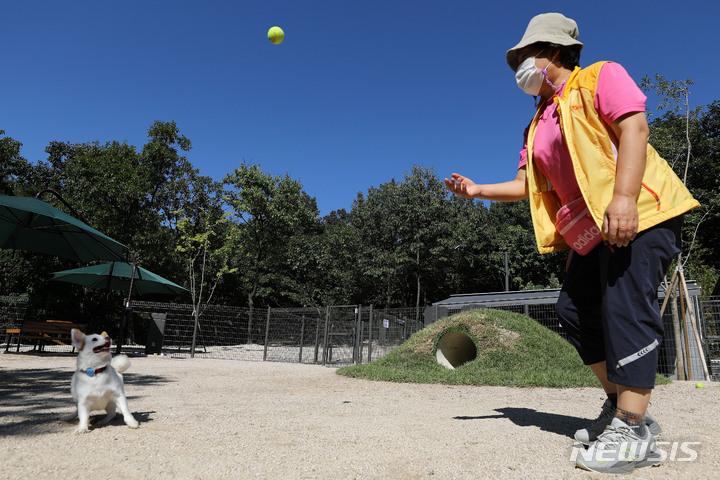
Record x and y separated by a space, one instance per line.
608 305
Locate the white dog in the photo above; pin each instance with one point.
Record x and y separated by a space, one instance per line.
97 384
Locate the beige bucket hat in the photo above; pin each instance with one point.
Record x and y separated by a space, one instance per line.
546 27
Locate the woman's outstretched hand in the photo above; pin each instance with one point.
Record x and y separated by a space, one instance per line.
461 186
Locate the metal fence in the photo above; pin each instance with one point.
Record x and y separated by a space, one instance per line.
710 317
338 334
333 335
540 306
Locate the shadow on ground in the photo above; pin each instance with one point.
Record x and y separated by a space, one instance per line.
33 400
564 425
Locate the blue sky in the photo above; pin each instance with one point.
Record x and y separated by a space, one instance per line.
358 93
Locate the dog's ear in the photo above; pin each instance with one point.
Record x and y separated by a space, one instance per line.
78 338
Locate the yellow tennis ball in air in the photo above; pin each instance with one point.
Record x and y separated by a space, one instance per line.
276 35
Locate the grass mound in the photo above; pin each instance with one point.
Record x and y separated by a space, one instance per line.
513 350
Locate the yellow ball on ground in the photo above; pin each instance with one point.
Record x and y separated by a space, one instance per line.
276 35
699 385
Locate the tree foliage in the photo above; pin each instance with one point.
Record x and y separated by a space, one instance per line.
11 163
689 138
257 239
269 212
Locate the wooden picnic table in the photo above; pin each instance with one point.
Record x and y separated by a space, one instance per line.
42 332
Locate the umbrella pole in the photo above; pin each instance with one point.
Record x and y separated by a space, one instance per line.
107 287
126 306
107 296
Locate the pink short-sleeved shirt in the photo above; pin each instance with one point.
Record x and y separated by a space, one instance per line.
616 95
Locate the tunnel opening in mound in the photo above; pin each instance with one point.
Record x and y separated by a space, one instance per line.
455 348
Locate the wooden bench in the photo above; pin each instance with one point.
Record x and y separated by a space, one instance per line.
42 332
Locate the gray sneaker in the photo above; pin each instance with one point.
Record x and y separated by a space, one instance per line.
619 449
591 433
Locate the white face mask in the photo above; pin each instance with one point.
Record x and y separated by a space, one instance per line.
530 78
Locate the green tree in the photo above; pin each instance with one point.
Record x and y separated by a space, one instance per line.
10 163
424 214
674 97
124 193
339 246
269 210
206 257
199 203
689 138
471 267
377 218
702 225
514 233
321 262
409 232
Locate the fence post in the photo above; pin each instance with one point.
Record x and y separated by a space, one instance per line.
356 328
326 335
405 326
250 322
317 339
370 325
302 338
357 357
196 324
267 335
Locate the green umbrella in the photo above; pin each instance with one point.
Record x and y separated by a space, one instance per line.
116 276
28 223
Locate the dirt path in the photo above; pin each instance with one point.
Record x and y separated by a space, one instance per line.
224 419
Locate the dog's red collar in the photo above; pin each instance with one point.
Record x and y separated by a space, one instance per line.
92 371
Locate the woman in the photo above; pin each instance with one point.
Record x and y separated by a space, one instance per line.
596 186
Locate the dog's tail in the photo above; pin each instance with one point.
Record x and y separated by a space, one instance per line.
120 363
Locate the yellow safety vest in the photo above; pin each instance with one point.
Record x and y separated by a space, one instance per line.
589 140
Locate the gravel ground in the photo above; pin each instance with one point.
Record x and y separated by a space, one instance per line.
218 419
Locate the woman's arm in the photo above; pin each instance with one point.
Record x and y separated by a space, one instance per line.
620 221
501 192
